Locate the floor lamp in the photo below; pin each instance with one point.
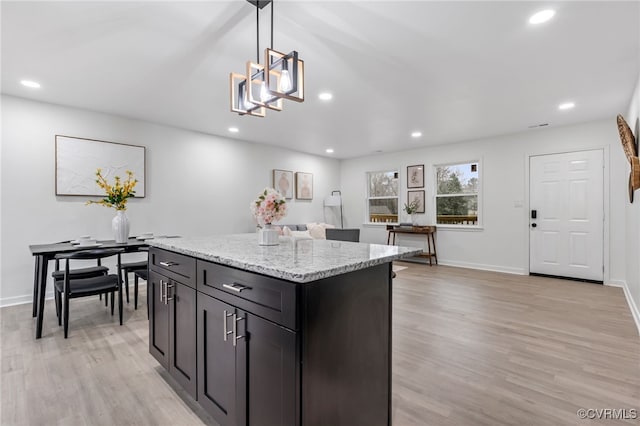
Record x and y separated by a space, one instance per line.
335 201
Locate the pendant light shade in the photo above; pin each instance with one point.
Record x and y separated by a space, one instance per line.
290 71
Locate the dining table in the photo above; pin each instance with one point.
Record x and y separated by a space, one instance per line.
43 253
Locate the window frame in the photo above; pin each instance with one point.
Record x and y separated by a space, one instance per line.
480 222
367 197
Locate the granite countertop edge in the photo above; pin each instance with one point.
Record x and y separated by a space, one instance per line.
303 277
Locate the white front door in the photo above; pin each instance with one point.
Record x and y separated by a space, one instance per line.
566 228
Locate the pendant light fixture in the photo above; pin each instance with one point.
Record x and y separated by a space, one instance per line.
265 86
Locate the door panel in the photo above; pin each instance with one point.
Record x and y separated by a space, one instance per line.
568 237
158 321
183 336
216 361
578 249
267 386
550 247
552 201
578 200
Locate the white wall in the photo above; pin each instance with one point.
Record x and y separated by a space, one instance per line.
632 212
197 184
503 242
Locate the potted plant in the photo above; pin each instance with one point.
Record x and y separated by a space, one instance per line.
116 197
269 207
412 208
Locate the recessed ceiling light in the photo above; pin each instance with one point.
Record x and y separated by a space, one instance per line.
416 134
329 150
234 129
566 105
325 96
542 16
29 83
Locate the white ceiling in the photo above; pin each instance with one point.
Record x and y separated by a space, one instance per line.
453 70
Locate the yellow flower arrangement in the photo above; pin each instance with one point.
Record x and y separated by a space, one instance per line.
118 193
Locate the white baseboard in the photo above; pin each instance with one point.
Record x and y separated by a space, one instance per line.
20 300
635 312
27 298
482 267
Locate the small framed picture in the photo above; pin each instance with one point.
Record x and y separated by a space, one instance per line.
283 182
304 186
419 196
415 176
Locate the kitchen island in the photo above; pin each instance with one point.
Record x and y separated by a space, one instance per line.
294 334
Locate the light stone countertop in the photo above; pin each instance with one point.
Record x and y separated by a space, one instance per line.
294 260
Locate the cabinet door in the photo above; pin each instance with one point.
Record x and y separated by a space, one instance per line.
216 360
182 335
158 320
267 373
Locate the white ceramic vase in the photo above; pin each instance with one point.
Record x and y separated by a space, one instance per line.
120 226
267 236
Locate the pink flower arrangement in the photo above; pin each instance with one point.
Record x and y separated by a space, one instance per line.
269 207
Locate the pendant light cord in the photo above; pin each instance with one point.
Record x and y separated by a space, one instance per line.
258 31
257 34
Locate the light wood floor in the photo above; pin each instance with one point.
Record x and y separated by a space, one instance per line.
470 348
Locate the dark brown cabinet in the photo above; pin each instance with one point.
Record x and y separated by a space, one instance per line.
216 360
269 374
172 327
158 319
247 370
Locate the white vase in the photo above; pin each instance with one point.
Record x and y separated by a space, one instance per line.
414 219
267 236
120 226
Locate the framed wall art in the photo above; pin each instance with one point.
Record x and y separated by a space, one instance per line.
304 186
77 160
415 176
419 196
283 182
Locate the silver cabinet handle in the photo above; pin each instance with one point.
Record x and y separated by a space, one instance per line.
224 320
168 264
166 296
162 283
235 329
236 287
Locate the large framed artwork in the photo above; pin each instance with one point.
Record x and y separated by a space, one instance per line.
283 182
419 196
304 186
415 176
77 160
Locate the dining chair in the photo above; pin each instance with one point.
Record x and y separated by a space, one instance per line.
134 267
339 234
141 274
87 272
73 286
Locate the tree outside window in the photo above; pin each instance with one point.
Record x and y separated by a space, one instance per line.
457 194
382 197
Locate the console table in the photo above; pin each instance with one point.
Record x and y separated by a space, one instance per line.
428 231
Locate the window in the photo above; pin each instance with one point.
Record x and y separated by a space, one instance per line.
457 194
382 197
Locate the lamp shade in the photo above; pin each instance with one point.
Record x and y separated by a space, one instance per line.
333 201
